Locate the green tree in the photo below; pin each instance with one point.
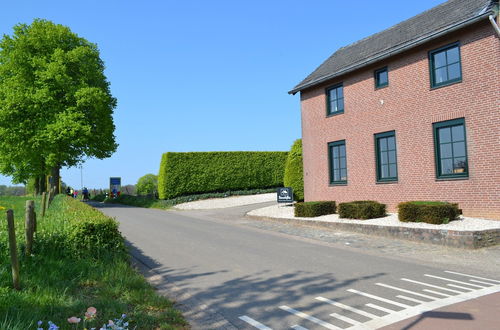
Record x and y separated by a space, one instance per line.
147 185
55 103
294 171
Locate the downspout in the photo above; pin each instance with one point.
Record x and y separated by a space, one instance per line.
494 23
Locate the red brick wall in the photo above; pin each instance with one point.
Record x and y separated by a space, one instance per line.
410 107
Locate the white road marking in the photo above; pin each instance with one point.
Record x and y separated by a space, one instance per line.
476 281
380 308
406 291
346 319
437 293
455 281
429 306
349 308
411 299
254 323
460 287
309 317
379 298
431 286
298 327
480 278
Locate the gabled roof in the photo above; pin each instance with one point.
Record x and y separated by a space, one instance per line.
426 26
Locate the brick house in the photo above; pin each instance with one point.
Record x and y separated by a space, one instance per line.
409 113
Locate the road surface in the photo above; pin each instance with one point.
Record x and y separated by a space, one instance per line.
232 274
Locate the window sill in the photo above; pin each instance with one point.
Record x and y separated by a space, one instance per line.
387 181
381 87
334 114
452 178
338 184
453 82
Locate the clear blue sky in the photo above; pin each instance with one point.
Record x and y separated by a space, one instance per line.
205 75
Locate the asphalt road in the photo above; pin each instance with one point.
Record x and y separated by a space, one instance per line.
246 278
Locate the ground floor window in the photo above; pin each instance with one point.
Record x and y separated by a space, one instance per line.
450 149
338 162
386 159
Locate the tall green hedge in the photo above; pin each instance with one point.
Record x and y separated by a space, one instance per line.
184 173
294 171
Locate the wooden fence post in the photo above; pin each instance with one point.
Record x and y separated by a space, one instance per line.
30 225
13 249
48 200
44 203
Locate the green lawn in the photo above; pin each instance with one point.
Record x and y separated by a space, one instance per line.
65 276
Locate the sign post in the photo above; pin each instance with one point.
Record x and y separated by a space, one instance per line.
115 184
285 195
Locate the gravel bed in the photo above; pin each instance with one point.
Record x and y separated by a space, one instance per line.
391 220
220 203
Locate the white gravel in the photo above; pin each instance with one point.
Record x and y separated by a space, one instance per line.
463 224
220 203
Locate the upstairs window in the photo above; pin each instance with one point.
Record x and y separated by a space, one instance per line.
381 78
445 65
451 149
335 100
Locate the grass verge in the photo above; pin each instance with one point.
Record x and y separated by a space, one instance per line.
63 276
152 202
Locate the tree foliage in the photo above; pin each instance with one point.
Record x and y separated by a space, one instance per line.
55 103
294 171
147 185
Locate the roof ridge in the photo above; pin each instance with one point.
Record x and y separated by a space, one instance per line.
428 24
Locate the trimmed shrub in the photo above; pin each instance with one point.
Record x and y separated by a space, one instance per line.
314 209
361 210
428 211
91 233
294 171
183 173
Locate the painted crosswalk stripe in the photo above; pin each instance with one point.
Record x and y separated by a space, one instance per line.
254 323
479 278
349 308
298 327
406 291
379 298
309 317
437 293
460 287
411 299
431 286
455 281
345 319
482 282
380 308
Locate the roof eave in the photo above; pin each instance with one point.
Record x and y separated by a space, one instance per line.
394 51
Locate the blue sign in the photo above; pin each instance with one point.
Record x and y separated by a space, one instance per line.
115 181
285 195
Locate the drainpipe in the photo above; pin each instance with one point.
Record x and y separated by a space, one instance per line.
494 23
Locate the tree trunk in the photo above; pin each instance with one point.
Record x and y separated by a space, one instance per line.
40 185
54 172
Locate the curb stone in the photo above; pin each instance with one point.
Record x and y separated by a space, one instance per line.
451 238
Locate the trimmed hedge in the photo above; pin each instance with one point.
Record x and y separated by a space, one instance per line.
361 210
314 209
294 171
183 173
428 211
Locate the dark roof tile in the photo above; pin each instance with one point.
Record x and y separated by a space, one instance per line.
404 34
